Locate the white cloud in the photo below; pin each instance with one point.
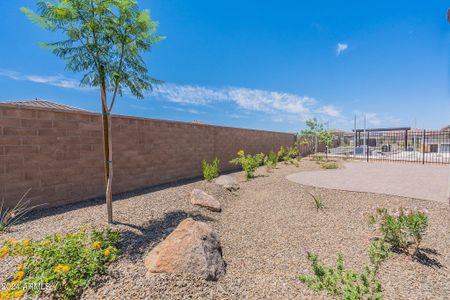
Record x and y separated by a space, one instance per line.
245 98
275 105
189 110
376 120
188 94
54 80
329 110
373 119
341 47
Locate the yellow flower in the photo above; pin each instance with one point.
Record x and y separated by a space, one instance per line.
4 251
58 267
45 243
241 152
19 275
96 245
65 269
25 242
19 293
15 242
107 252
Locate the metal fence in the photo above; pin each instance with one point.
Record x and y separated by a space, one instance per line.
392 144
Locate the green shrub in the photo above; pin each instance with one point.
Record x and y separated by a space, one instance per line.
295 162
342 283
378 253
317 158
271 160
281 153
260 158
64 263
329 165
291 153
402 228
210 171
248 163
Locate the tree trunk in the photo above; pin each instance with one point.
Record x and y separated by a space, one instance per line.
107 151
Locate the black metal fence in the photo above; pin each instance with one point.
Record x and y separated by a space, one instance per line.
393 144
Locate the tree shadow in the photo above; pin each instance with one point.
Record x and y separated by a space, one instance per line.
135 243
43 211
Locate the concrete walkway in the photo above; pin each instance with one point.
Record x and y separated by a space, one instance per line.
429 182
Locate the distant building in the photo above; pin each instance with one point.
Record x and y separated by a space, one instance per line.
446 128
199 122
38 103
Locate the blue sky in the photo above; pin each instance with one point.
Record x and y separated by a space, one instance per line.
264 64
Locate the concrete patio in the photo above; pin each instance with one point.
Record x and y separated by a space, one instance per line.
429 182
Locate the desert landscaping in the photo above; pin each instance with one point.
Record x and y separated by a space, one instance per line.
265 227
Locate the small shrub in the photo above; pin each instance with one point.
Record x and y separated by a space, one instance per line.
260 158
317 158
248 163
281 153
317 199
402 228
295 162
378 252
291 153
329 165
210 171
66 264
11 216
271 160
340 282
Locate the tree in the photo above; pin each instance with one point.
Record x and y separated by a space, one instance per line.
104 39
316 133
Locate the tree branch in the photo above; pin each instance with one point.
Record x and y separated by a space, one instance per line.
116 86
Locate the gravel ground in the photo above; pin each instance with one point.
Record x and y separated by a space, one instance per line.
264 229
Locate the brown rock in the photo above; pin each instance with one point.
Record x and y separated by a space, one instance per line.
193 247
201 198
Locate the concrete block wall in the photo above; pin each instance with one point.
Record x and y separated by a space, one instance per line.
59 154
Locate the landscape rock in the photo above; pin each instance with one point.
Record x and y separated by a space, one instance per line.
228 182
193 247
201 198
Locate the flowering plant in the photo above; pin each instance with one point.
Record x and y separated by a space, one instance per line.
11 216
341 282
65 263
403 227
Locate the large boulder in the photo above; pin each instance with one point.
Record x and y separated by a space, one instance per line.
193 247
201 198
228 182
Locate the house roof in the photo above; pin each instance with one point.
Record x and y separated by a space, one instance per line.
446 128
43 104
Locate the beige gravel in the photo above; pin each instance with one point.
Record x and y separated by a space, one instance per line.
264 229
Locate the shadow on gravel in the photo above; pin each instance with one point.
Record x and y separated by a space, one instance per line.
45 212
134 245
426 260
